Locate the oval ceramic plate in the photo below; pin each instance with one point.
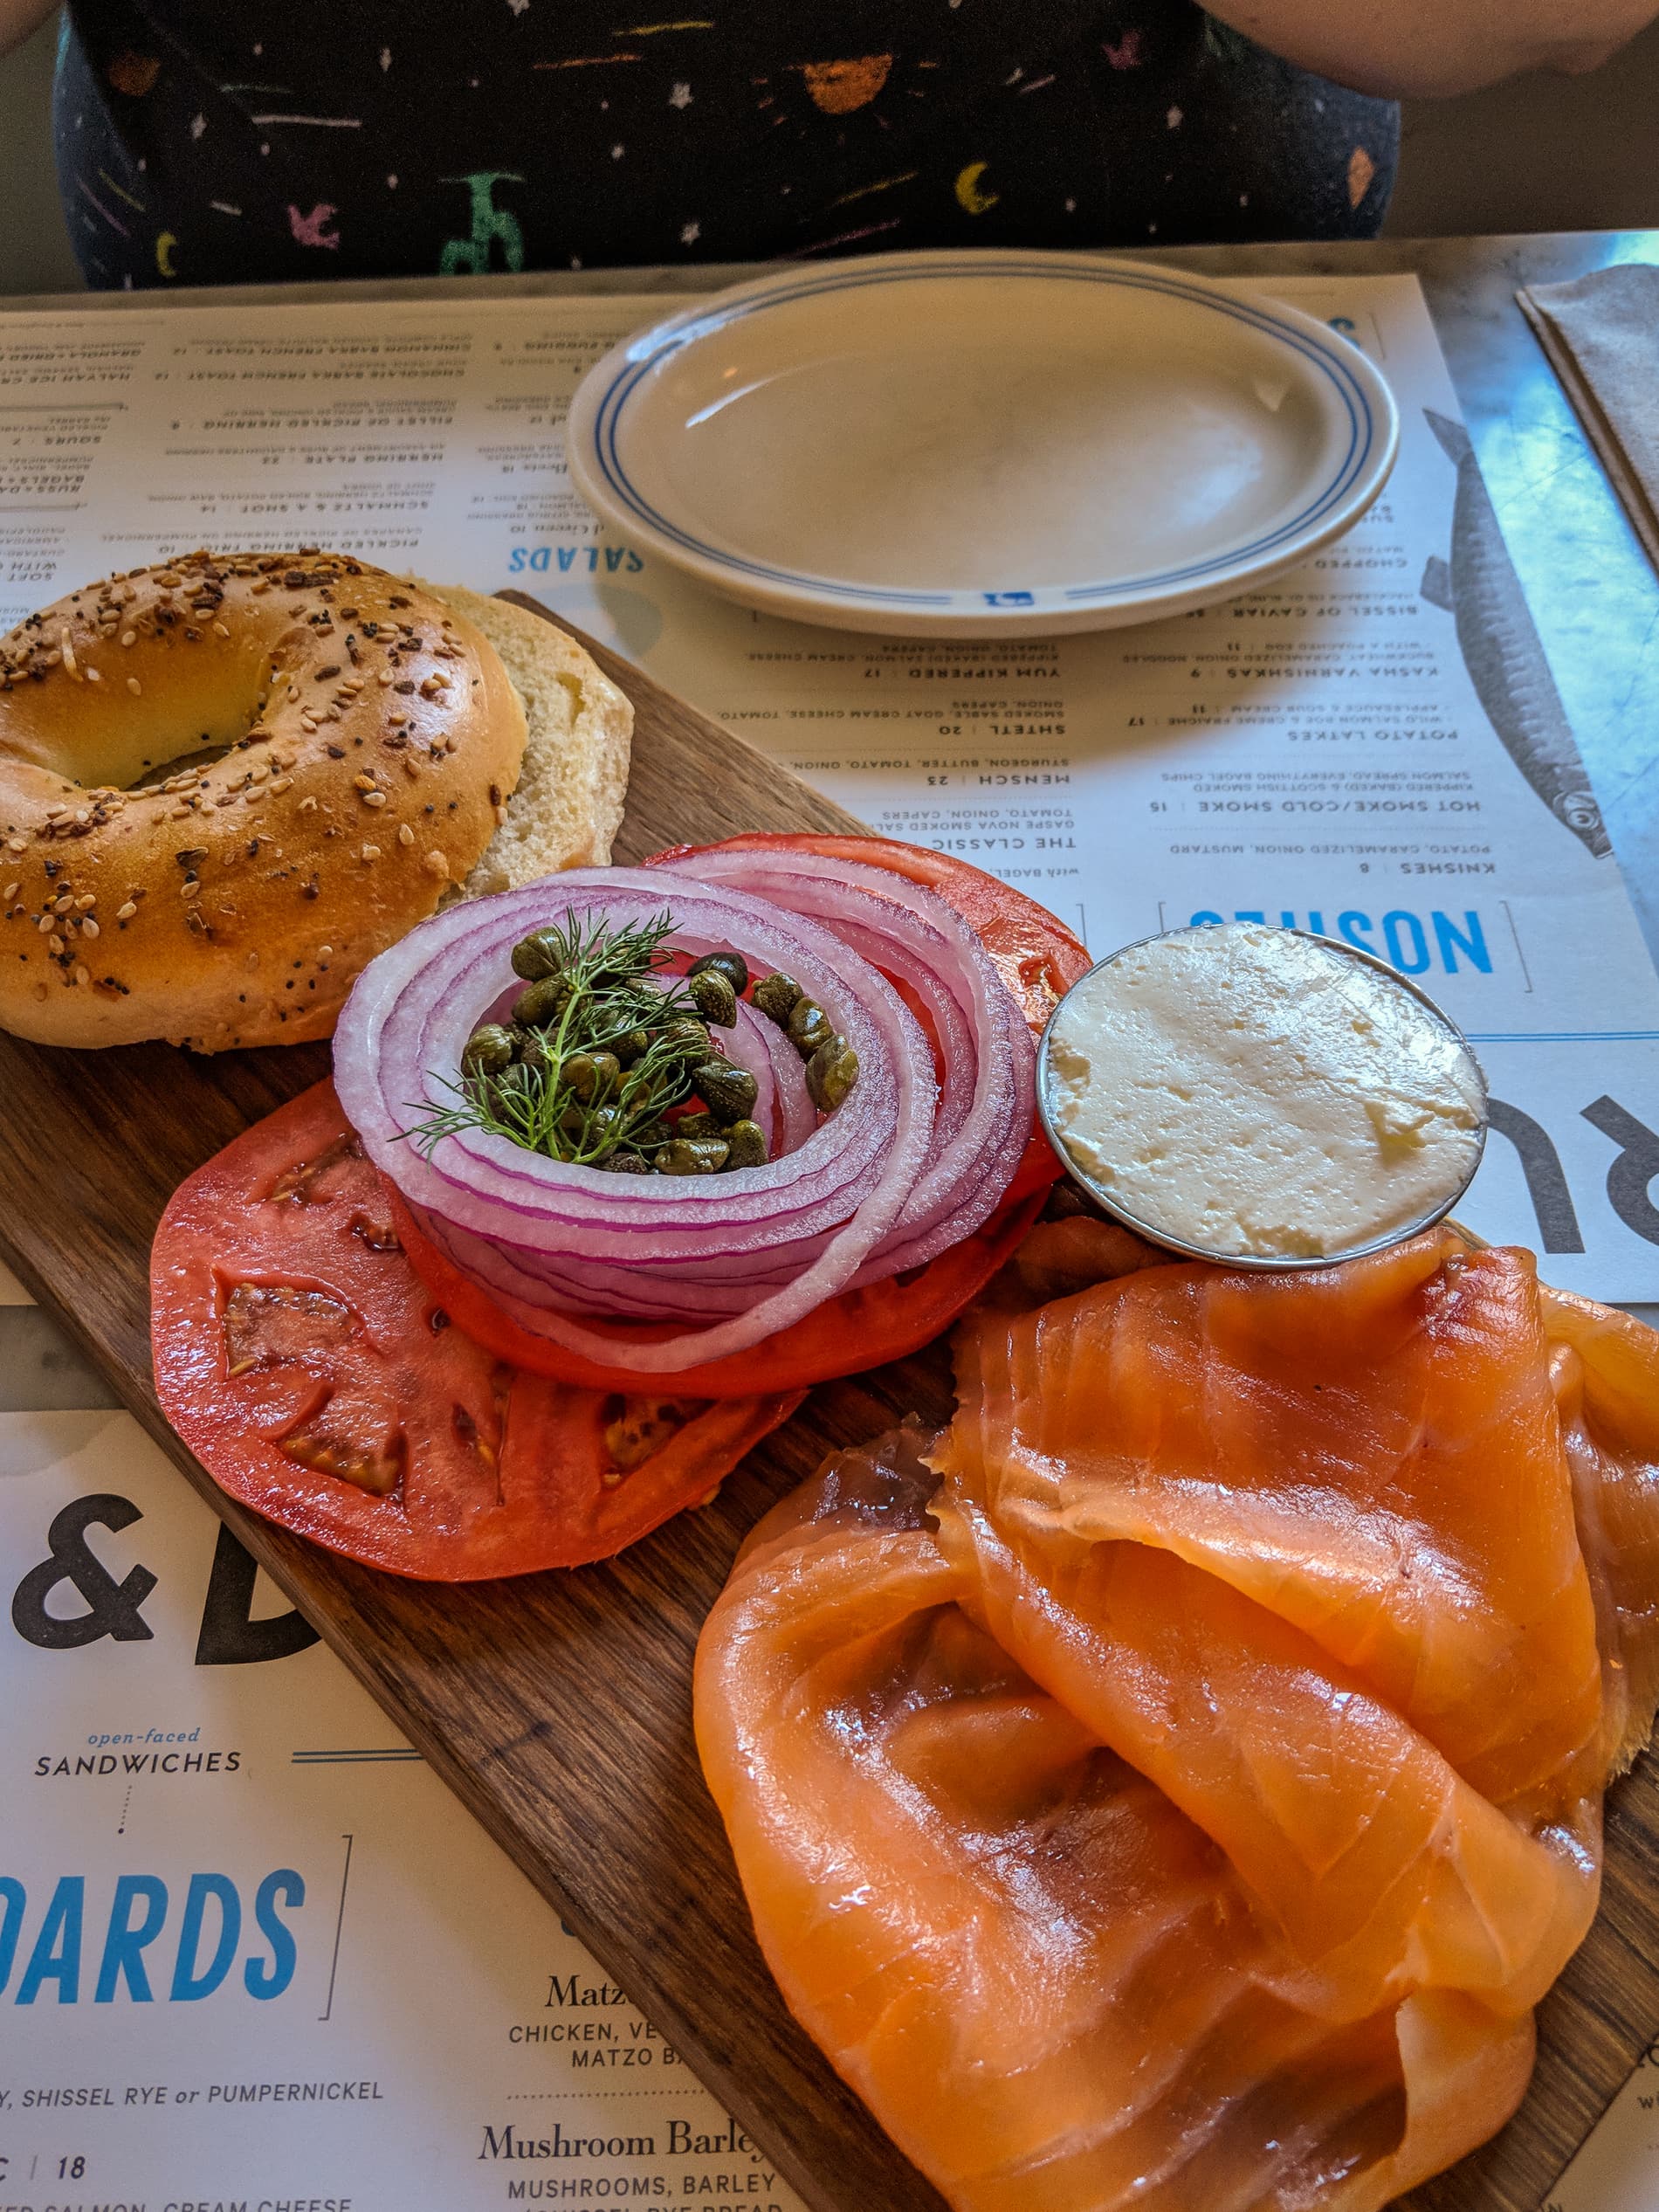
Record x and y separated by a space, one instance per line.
982 445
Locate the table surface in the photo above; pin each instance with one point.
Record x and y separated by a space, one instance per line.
1592 593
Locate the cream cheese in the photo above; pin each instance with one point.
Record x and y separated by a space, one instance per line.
1255 1092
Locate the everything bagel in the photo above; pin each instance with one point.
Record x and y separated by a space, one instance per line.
225 784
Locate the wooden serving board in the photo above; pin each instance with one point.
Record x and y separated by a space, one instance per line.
558 1706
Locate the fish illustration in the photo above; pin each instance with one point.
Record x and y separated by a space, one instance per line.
1502 650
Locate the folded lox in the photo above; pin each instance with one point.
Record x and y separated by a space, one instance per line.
1603 1367
1186 1802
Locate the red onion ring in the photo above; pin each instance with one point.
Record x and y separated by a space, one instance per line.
903 1169
989 1094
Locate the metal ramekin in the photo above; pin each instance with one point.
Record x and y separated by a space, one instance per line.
1257 1261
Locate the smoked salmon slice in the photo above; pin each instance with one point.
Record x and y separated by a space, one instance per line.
1178 1790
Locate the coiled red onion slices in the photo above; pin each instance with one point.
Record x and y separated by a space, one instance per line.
918 1156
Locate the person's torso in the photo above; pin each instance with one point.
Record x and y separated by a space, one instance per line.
203 144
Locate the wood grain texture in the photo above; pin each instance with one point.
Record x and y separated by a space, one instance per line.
558 1706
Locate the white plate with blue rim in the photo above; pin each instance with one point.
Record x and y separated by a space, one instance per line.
982 445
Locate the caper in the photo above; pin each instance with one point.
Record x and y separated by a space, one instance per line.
729 1091
698 1122
689 1040
531 1049
809 1026
732 966
631 1046
511 1089
746 1145
624 1163
543 1003
692 1156
776 996
714 997
538 955
590 1074
604 1126
646 1136
831 1072
488 1050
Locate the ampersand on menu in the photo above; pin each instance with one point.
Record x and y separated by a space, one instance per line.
112 1607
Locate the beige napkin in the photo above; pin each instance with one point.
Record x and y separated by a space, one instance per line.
1601 336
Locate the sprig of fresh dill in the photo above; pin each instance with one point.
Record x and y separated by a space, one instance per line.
615 992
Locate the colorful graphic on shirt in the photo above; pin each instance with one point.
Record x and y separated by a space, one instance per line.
493 226
313 229
967 189
134 74
838 87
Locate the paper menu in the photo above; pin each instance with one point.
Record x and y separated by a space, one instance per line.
251 1950
1372 747
1617 2170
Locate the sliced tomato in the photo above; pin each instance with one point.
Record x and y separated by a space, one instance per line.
321 1384
859 1329
1037 956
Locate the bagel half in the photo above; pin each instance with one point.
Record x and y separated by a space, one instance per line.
227 783
568 805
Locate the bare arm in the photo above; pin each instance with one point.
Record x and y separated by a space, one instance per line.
1408 49
19 17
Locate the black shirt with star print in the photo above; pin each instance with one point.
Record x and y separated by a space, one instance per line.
204 144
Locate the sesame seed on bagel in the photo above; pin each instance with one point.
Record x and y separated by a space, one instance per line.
226 783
